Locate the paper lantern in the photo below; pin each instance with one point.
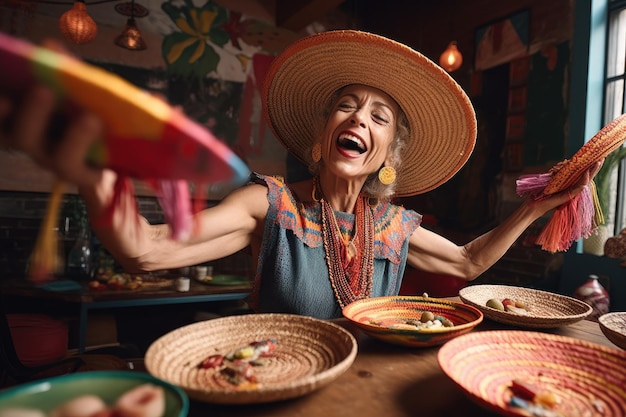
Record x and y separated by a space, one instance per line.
76 25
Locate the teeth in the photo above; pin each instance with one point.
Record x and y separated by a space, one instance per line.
351 142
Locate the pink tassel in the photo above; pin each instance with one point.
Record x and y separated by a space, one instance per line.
174 198
532 185
123 199
571 221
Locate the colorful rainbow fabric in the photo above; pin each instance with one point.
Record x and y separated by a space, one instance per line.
145 137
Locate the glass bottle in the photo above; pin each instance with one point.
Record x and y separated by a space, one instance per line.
79 264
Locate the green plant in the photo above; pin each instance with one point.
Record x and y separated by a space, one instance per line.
603 179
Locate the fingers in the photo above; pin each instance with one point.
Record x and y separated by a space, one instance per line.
593 170
31 129
69 159
31 121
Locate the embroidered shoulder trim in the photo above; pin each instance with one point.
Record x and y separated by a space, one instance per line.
393 224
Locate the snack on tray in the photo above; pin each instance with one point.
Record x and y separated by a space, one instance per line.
237 366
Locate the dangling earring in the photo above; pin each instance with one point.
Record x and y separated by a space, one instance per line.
314 196
316 152
387 175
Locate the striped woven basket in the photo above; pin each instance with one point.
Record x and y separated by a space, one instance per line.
545 309
613 325
586 378
379 318
309 354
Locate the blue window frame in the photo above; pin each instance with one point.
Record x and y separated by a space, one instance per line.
598 82
614 96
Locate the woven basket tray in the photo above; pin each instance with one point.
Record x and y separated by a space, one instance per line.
584 376
545 309
309 354
377 317
613 325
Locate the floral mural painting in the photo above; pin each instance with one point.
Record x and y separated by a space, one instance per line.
216 60
210 40
189 52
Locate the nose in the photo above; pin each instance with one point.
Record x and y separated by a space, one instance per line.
357 118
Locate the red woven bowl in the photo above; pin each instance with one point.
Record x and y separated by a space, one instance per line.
584 376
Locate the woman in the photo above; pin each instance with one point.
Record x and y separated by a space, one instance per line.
374 119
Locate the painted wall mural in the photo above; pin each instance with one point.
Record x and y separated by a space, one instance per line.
216 60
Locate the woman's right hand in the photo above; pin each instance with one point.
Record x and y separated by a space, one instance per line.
26 126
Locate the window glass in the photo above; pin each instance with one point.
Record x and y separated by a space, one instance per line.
616 43
614 104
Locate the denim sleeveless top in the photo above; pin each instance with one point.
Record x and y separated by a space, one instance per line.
292 275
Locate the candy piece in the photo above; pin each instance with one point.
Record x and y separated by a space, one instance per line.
495 303
523 389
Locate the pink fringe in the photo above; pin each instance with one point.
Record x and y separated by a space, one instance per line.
532 185
174 198
123 199
571 221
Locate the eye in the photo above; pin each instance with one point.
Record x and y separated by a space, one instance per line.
380 118
346 106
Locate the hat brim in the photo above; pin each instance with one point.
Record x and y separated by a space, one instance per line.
441 117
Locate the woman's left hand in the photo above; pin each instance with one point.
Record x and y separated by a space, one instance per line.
552 201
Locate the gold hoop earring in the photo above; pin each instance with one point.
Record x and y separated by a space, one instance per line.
316 152
387 175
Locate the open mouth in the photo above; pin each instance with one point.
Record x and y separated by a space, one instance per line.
351 143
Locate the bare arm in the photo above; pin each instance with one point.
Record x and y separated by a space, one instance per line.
219 231
431 252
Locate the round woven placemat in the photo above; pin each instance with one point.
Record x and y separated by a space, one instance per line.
586 377
375 315
309 354
613 325
545 309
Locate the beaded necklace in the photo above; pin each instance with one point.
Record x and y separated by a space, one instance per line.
350 267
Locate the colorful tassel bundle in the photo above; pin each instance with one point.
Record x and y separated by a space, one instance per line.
144 137
579 217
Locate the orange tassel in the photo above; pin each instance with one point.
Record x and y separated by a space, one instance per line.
44 260
573 220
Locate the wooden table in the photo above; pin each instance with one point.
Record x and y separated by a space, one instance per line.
88 299
387 381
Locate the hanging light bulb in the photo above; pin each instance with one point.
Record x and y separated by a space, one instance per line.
131 38
451 59
76 25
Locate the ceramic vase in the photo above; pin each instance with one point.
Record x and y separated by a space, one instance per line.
594 244
594 294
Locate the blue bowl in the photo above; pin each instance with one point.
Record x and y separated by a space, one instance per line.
47 394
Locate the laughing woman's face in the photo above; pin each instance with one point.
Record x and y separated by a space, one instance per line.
359 131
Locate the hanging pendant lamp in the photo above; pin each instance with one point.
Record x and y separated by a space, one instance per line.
76 25
451 59
131 38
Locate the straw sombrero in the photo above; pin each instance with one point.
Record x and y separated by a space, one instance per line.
441 117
